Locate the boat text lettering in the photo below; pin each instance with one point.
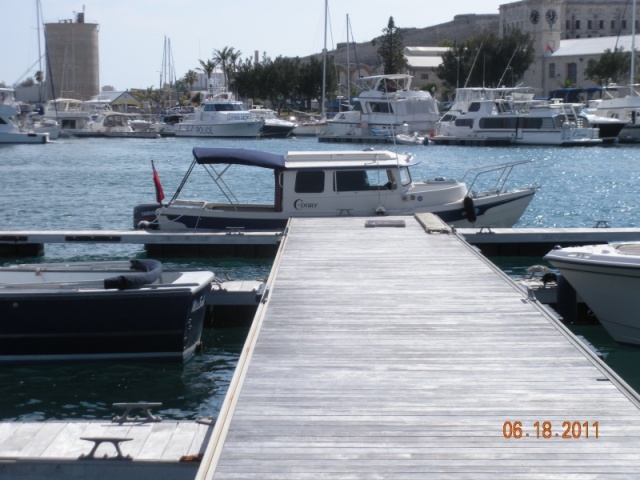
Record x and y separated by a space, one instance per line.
299 205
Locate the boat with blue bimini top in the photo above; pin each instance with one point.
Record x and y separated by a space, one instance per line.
332 183
124 310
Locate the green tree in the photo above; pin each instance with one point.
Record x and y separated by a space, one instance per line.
207 67
189 79
487 60
610 67
227 58
391 49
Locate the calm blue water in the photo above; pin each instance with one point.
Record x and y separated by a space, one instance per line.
81 184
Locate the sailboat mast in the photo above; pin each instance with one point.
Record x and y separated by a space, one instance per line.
39 51
633 49
324 58
348 67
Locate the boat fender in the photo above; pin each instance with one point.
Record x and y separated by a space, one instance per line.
469 209
146 271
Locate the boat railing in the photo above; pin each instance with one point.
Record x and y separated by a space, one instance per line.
504 172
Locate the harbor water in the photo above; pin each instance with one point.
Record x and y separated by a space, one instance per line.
94 183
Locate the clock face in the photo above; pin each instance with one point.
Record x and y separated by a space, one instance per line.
551 16
534 16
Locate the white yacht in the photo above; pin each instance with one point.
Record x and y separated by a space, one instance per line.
622 103
607 278
10 131
219 115
71 114
511 116
365 183
274 126
385 104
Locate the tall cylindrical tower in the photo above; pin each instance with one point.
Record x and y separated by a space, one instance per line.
72 58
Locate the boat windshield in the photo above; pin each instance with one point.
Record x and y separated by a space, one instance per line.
405 176
223 107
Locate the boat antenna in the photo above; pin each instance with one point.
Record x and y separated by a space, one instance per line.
508 65
473 65
324 59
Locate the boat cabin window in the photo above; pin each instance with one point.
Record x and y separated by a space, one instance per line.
498 122
380 107
474 107
361 180
310 182
448 118
405 176
223 107
464 122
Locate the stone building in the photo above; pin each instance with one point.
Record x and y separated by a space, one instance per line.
567 34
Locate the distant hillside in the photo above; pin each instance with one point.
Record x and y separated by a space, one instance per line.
459 29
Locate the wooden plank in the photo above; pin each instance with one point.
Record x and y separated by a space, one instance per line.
392 353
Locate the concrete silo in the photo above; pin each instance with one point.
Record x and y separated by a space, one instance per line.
72 58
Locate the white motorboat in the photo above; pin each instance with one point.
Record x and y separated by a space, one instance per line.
332 183
607 278
219 115
623 104
274 127
385 104
71 114
101 310
10 131
511 116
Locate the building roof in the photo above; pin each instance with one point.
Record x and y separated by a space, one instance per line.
593 46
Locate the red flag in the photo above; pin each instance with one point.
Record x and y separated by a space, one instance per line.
549 50
157 184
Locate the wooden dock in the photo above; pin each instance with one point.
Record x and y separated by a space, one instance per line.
390 353
86 450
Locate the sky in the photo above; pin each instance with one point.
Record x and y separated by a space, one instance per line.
132 33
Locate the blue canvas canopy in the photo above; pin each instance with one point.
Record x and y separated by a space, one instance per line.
238 156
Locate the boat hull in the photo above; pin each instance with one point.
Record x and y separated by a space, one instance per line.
157 322
238 129
23 137
502 210
608 282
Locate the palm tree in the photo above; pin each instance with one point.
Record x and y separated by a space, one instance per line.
207 68
226 58
190 78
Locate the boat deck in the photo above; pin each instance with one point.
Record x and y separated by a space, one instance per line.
387 352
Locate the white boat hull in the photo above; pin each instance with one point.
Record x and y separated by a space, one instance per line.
23 137
607 278
239 129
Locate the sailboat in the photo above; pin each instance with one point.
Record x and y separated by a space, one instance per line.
622 102
313 126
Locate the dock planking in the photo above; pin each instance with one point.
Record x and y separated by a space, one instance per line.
393 353
64 449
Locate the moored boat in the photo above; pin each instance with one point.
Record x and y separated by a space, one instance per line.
274 127
100 311
607 278
511 116
333 183
219 115
10 131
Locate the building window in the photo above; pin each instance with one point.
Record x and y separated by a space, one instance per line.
613 24
552 70
424 76
624 24
577 24
589 24
572 72
601 25
567 25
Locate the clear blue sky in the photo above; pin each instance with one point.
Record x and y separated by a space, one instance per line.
132 32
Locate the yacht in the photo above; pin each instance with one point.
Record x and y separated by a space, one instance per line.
274 126
71 114
385 104
511 116
219 115
621 103
10 131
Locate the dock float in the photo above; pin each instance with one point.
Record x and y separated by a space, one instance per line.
126 449
383 351
263 244
539 241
